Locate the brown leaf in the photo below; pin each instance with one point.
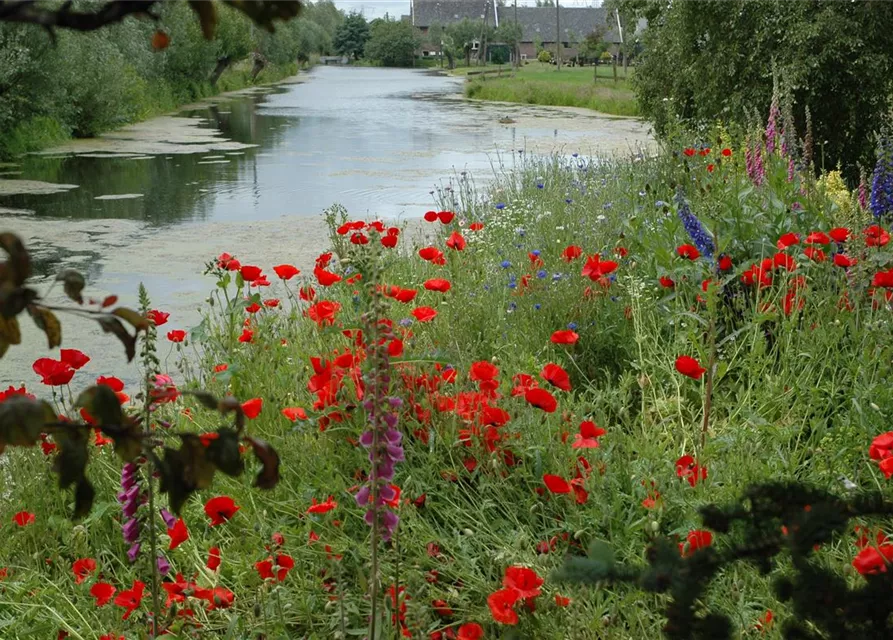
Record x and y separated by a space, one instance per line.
197 470
102 403
22 419
206 399
224 452
269 459
83 499
71 461
9 330
19 264
13 300
263 12
47 322
160 40
114 326
72 283
207 16
135 319
128 439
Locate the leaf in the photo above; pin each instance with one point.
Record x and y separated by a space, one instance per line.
206 399
47 322
71 461
269 459
263 12
207 16
197 468
83 499
72 283
135 319
172 481
22 419
9 330
128 439
102 403
19 264
13 300
228 404
223 452
114 326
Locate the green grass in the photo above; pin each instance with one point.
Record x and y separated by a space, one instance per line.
796 396
542 84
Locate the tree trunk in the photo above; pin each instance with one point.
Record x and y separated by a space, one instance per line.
259 63
222 64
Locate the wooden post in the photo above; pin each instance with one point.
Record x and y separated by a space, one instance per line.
558 34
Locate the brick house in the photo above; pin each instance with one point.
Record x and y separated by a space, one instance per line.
537 23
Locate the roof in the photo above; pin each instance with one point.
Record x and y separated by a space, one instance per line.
445 12
538 23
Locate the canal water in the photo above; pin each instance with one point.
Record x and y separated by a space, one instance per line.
251 173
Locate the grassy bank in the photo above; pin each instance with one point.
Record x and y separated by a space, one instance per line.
543 84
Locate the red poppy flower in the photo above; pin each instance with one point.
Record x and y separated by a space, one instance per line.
322 507
596 268
178 534
326 278
441 608
307 293
53 372
523 580
725 263
264 569
875 236
873 560
157 317
82 568
483 370
689 152
841 260
839 234
131 598
323 312
565 337
556 484
561 600
476 226
588 436
217 598
424 314
247 336
251 408
430 216
688 468
438 284
883 279
571 253
688 366
433 255
818 237
250 273
541 399
783 260
176 335
23 518
220 509
502 605
787 240
359 238
294 413
103 593
470 631
395 348
697 539
815 254
881 446
213 562
726 153
286 271
253 308
73 358
688 251
456 241
556 376
389 241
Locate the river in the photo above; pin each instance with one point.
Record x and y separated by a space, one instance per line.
250 173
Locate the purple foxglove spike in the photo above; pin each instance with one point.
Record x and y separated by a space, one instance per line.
169 519
387 493
396 403
133 553
390 419
163 565
366 439
362 496
395 453
131 530
393 436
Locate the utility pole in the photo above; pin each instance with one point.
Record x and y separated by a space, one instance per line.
518 41
558 33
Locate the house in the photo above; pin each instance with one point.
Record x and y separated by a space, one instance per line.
538 26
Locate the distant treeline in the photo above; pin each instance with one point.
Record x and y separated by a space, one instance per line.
87 83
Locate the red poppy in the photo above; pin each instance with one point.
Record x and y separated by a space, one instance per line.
424 314
359 238
441 608
73 358
456 241
697 539
323 313
688 251
818 237
689 469
725 263
596 268
157 317
294 413
502 605
541 399
253 308
103 593
470 631
286 271
565 337
217 598
220 509
839 234
389 241
711 167
875 236
556 484
176 335
251 408
873 560
561 600
213 562
23 518
588 436
666 282
881 446
841 260
131 598
483 370
247 336
322 507
438 284
883 279
307 293
53 372
476 226
82 568
688 366
571 253
395 348
689 152
523 580
726 153
815 254
433 255
430 216
178 534
326 278
556 376
787 240
250 273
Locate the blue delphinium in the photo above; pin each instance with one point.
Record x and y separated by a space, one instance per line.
882 181
696 231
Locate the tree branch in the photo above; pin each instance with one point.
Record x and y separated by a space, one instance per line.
26 12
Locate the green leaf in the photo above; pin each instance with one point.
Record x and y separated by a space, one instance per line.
22 419
269 459
223 452
114 326
47 322
72 283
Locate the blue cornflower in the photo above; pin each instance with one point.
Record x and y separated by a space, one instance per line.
541 274
693 226
881 203
505 264
500 205
575 155
608 205
537 306
568 200
572 326
660 203
513 306
405 322
521 232
556 277
535 252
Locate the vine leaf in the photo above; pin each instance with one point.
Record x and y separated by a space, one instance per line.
71 465
269 459
184 471
114 326
223 451
72 283
22 419
47 322
102 403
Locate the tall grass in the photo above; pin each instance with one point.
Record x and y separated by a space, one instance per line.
598 97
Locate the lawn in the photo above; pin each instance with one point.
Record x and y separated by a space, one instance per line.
580 354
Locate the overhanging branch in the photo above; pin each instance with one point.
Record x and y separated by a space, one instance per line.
27 12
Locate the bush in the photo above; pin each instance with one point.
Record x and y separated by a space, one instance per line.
544 56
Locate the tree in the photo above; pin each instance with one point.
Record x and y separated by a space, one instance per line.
352 36
392 43
464 34
509 32
716 60
594 45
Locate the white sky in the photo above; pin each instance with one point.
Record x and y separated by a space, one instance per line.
395 8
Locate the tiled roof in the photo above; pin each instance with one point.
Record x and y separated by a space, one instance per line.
446 12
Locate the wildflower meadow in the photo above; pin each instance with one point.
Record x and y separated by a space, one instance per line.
597 398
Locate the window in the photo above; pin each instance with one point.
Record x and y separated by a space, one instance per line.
475 45
524 56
